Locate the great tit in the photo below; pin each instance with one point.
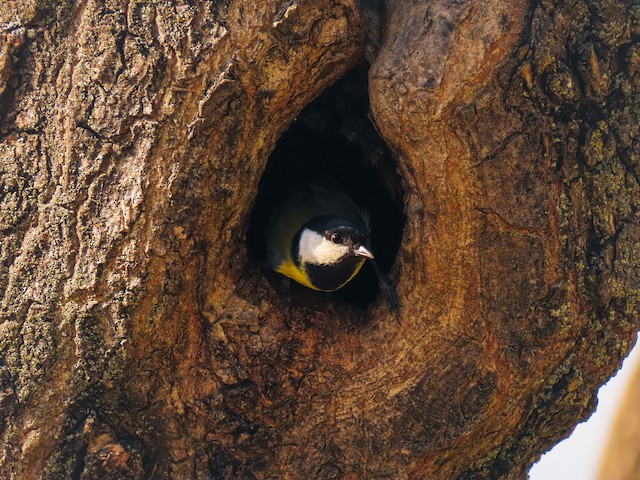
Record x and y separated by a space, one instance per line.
319 238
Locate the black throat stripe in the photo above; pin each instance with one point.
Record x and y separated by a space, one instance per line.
331 277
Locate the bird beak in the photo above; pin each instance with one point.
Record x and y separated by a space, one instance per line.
361 251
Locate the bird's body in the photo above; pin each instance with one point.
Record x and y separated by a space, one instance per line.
319 238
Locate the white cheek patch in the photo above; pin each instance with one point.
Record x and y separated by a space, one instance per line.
316 249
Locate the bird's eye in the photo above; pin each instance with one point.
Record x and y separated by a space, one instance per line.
337 238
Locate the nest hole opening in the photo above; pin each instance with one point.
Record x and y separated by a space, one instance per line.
333 138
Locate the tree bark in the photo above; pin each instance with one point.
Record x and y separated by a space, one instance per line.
137 340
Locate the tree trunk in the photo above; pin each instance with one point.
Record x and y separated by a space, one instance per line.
138 340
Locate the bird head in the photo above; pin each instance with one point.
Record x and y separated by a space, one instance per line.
330 241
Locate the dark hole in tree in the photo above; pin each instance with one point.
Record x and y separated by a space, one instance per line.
333 137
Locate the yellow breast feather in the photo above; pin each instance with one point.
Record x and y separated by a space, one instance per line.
289 269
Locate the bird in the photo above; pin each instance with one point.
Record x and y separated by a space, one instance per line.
318 237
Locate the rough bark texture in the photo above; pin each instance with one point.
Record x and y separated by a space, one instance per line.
137 340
